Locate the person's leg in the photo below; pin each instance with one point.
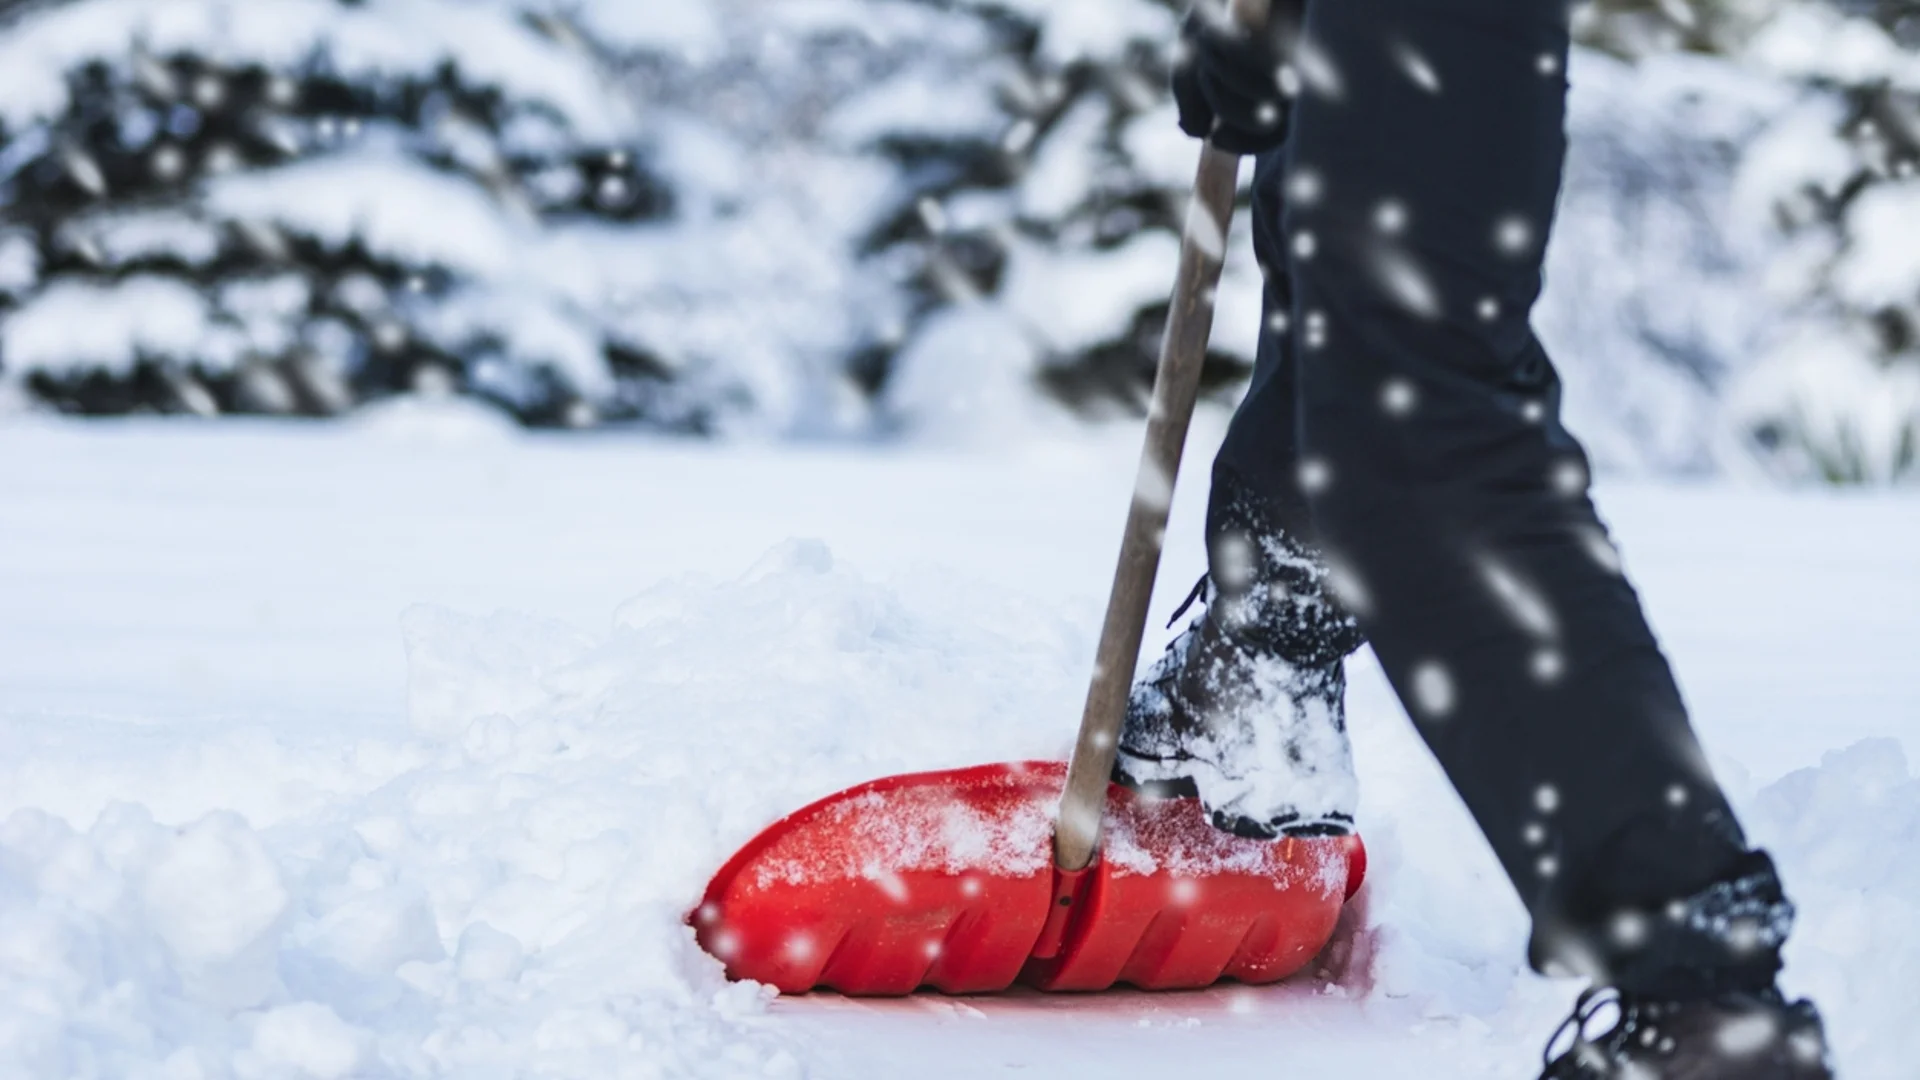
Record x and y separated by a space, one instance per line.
1423 166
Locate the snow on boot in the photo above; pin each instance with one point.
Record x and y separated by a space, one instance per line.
1261 740
1736 1036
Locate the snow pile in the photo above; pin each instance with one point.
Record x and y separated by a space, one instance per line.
501 892
506 893
1846 832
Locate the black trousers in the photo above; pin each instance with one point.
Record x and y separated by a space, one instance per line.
1403 420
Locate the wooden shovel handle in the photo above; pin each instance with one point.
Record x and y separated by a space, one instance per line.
1176 385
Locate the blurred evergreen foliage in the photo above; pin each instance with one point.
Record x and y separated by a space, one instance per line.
1839 401
178 201
824 218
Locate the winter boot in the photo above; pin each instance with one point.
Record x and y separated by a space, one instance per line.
1734 1036
1260 739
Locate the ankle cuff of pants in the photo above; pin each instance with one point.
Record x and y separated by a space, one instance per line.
1722 939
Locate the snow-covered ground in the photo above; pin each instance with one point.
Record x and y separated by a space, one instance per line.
399 750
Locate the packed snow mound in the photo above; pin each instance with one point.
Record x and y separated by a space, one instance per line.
501 891
1847 832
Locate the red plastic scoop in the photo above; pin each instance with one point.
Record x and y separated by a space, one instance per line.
947 880
969 880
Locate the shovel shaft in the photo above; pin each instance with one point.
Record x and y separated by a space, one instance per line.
1176 385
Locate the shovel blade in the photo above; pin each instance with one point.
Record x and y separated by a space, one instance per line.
945 880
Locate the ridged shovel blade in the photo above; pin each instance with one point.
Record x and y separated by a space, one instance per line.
946 880
934 879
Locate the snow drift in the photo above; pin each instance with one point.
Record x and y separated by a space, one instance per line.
501 893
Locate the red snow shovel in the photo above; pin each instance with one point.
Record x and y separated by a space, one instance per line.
971 880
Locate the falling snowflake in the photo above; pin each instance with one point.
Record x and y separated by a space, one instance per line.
1522 601
1315 476
1601 550
1397 397
1317 70
1548 665
1513 236
1547 798
1629 929
1433 689
1569 477
1417 68
1205 230
1153 485
1407 284
1231 560
1304 186
1316 332
1346 585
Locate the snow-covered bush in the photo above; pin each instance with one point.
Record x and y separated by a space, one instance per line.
1635 29
1837 399
1652 299
792 133
1823 203
289 206
848 216
672 214
1052 231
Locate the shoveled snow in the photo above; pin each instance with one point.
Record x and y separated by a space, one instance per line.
321 756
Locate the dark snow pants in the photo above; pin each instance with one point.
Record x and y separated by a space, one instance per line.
1404 421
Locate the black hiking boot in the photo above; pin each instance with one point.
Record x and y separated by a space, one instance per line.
1731 1036
1259 739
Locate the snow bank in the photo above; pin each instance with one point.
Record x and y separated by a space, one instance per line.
513 900
1847 832
500 891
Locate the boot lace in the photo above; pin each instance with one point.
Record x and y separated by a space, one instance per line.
1199 595
1585 1057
